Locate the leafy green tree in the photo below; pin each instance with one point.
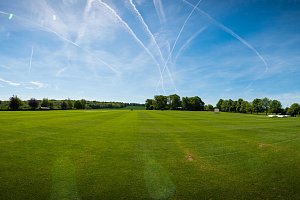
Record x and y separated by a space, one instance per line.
14 103
51 105
230 106
192 103
219 104
196 103
249 107
275 106
174 102
69 104
33 103
233 106
185 103
245 107
160 102
45 102
224 106
64 105
266 104
294 109
149 104
83 103
208 107
239 104
78 104
257 105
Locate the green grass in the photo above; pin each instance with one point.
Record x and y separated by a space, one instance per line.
133 108
123 154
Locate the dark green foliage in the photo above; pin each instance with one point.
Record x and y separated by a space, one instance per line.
257 105
275 106
64 105
69 104
45 102
149 104
225 106
219 104
266 104
160 102
33 103
294 109
80 104
174 102
14 103
239 105
209 107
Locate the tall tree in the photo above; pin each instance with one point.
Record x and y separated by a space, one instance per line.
196 103
294 109
266 104
230 107
249 107
83 103
239 104
233 106
275 106
245 107
69 104
78 105
14 102
219 104
174 102
45 102
257 105
224 106
185 103
64 105
33 103
209 107
160 102
149 104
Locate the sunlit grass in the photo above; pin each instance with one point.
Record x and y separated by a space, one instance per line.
123 154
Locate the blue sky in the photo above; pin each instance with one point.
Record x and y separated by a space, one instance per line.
112 50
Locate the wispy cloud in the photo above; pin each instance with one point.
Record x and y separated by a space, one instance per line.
10 82
36 85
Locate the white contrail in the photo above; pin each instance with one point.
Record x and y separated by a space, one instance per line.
130 31
146 27
159 10
42 28
233 34
179 34
5 13
30 62
185 45
87 51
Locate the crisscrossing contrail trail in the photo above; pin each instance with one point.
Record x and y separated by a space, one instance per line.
233 34
131 32
179 34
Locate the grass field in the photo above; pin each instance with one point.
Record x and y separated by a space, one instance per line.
127 154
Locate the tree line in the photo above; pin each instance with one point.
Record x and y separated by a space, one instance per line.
174 102
264 105
15 103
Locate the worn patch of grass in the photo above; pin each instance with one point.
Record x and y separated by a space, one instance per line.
123 154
